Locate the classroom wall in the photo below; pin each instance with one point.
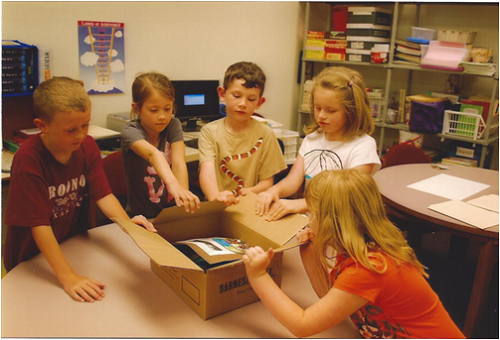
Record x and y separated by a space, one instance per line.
184 40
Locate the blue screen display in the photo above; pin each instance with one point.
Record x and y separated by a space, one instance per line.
194 99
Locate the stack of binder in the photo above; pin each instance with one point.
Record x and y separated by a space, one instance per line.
19 68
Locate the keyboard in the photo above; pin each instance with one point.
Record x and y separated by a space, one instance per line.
192 143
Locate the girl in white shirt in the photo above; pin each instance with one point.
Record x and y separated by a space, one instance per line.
337 137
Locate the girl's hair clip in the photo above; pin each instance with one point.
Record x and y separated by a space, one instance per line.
350 83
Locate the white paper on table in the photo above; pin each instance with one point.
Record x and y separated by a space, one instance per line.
450 187
489 202
470 214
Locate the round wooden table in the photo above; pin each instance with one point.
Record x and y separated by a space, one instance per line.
414 205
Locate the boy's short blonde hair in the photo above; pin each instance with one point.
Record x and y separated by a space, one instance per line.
250 72
59 95
352 90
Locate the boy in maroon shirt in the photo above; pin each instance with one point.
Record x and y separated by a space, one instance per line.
53 176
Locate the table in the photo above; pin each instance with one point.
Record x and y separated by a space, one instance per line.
413 204
137 303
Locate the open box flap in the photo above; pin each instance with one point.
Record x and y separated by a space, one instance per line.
279 232
156 247
178 213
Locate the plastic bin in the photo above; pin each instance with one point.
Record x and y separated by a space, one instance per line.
465 124
290 141
370 15
423 33
465 37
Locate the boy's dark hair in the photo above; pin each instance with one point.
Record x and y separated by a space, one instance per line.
250 72
59 95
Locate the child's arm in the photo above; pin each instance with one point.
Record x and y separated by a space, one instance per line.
179 167
181 195
330 310
112 208
208 183
263 185
317 275
80 288
368 168
286 187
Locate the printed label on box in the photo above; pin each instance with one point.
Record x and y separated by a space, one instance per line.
358 44
355 57
464 152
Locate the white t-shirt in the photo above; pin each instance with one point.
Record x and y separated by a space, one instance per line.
320 154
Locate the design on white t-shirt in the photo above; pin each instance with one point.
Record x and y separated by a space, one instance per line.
318 160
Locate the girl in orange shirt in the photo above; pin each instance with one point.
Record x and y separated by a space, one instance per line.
359 264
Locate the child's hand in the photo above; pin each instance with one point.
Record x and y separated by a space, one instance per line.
83 289
264 200
227 197
141 220
305 235
184 198
281 208
256 261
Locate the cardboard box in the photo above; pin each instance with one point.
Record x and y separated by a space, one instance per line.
224 288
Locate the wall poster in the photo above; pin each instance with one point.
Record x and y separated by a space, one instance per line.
102 56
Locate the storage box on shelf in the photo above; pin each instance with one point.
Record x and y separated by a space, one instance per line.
425 28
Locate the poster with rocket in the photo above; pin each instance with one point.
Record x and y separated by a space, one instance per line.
102 56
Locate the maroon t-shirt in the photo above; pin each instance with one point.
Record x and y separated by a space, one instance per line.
45 192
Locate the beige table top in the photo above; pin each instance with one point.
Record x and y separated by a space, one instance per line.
393 185
137 302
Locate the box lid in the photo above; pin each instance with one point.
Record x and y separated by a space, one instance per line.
279 232
156 247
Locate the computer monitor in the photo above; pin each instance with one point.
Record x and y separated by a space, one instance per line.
196 100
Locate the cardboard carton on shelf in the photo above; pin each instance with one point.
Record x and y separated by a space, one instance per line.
213 291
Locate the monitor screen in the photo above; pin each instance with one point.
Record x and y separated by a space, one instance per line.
196 100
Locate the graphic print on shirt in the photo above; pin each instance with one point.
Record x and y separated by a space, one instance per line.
230 174
66 196
371 323
154 196
317 160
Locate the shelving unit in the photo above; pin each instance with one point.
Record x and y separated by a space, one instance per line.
318 17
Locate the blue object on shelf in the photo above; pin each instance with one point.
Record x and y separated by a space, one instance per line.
418 41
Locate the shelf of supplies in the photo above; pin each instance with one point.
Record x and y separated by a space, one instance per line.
419 68
404 127
344 62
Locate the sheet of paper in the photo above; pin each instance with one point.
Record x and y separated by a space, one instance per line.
470 214
450 187
489 202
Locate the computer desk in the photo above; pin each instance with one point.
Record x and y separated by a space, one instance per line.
138 304
100 133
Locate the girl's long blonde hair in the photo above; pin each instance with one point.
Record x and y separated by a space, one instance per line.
351 88
352 220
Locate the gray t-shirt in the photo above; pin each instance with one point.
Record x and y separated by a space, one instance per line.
147 194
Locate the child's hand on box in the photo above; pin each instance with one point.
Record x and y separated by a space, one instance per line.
256 261
141 220
264 201
227 197
184 198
